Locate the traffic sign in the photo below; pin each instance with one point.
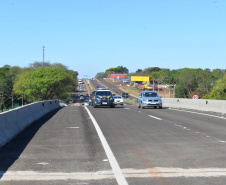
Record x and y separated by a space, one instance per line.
195 96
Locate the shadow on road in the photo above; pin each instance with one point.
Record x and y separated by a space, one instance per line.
11 151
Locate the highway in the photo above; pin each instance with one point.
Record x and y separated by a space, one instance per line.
147 146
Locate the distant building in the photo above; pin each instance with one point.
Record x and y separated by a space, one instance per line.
117 76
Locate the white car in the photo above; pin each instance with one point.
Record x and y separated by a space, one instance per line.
63 104
118 100
82 97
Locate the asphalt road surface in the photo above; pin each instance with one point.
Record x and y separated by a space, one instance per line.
130 146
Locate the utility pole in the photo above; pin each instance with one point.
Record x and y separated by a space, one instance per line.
43 54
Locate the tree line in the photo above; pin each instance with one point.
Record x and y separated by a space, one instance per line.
39 81
208 84
112 70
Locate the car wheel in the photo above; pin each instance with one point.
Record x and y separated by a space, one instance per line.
142 106
160 107
112 106
138 105
94 105
155 107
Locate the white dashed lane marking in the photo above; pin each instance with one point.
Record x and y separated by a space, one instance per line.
207 136
127 108
154 117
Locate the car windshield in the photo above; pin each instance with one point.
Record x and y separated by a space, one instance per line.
150 94
103 93
118 97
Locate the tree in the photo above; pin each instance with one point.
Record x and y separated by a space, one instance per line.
166 75
4 72
219 90
7 78
157 76
139 70
218 73
37 65
180 91
174 74
119 69
101 75
205 81
149 70
45 84
188 79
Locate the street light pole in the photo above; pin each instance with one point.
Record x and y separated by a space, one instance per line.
43 54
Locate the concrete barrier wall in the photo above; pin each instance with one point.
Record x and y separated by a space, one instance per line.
14 121
198 104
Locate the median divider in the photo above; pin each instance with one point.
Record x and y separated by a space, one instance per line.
14 121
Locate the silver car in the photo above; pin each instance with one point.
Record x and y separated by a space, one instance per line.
149 99
86 103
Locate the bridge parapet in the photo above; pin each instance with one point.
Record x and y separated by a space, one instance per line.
218 106
14 121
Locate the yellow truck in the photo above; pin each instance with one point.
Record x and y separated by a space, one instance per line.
148 87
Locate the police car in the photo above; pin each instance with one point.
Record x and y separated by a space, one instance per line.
103 98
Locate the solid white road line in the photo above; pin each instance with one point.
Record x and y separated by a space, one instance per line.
154 117
221 117
113 162
128 172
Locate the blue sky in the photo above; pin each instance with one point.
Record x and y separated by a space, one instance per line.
90 36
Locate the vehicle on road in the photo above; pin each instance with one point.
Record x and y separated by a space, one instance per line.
103 98
82 97
125 95
118 100
149 99
63 104
86 103
91 97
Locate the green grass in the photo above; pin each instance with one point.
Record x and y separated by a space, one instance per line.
130 89
89 87
130 101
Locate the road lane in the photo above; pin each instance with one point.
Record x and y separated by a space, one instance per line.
151 146
141 142
60 148
208 124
